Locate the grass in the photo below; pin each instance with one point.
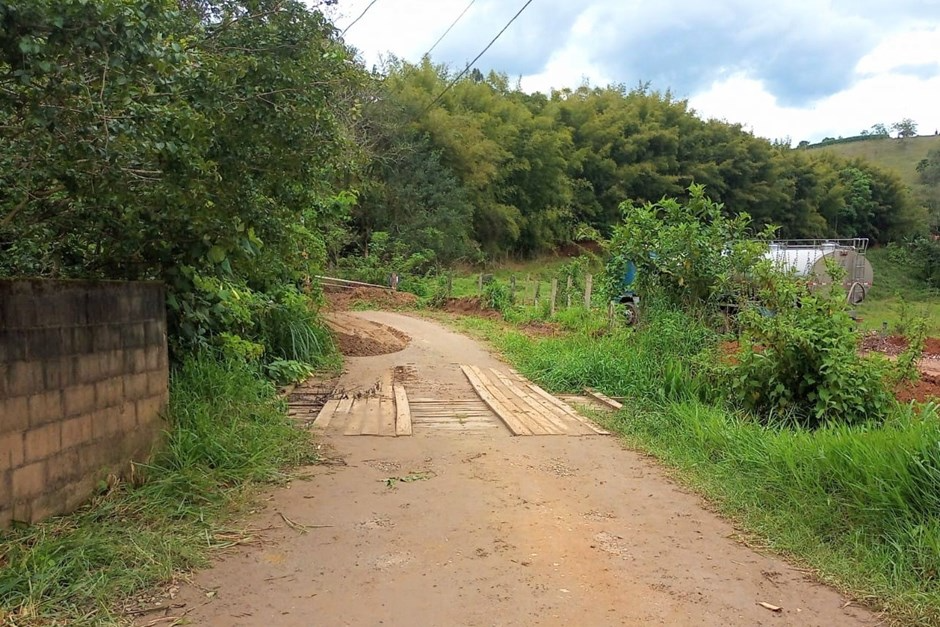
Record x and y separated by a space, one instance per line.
895 288
228 431
860 506
900 156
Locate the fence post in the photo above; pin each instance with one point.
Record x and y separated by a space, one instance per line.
512 289
450 285
480 285
554 295
588 286
538 288
568 293
610 314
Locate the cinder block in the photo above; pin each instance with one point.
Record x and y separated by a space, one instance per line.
136 386
130 414
77 431
12 450
157 382
43 442
58 373
23 511
155 333
12 345
89 368
14 414
105 337
29 481
44 343
135 360
93 457
79 491
62 469
45 407
6 517
24 378
81 340
109 392
6 488
150 409
133 335
153 357
106 422
112 363
78 399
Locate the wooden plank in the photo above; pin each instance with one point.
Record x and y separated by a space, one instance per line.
357 416
517 407
606 400
387 420
567 409
549 419
385 386
326 414
344 406
403 424
372 423
515 426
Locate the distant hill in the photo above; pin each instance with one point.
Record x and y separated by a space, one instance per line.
899 155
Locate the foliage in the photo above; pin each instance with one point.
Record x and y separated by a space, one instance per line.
496 296
691 252
195 143
799 359
287 371
905 128
227 431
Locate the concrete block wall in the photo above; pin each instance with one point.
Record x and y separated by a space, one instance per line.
83 386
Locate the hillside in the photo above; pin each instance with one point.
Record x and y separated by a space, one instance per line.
900 156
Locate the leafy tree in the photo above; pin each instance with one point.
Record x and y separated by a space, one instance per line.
905 128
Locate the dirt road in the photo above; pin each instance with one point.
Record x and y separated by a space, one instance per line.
477 527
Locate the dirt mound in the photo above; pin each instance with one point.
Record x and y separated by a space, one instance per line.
470 305
356 337
379 298
928 388
892 345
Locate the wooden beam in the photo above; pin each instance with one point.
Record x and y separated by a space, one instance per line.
515 426
326 414
605 400
402 411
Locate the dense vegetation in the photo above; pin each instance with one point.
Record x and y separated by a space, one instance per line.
782 423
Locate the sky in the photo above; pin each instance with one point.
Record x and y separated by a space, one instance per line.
784 69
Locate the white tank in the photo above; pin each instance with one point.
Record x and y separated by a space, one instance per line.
808 260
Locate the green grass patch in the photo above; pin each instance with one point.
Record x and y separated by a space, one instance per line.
900 156
228 431
895 288
860 505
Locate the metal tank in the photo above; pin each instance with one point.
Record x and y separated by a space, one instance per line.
808 258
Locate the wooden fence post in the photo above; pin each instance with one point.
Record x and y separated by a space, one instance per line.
588 286
480 285
554 295
538 288
512 289
450 285
610 314
568 293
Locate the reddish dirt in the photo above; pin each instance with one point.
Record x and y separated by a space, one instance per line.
490 530
378 298
356 337
892 345
470 305
927 389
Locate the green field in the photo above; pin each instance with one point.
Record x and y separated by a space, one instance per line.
900 156
896 288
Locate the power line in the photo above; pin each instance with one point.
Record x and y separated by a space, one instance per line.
353 23
441 38
477 58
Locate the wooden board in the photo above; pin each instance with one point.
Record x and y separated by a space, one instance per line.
546 418
514 405
326 414
357 416
510 420
606 400
387 417
403 424
372 422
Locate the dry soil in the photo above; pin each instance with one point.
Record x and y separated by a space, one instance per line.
451 528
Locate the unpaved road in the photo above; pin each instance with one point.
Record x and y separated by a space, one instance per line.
494 530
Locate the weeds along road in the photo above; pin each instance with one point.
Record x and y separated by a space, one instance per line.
489 529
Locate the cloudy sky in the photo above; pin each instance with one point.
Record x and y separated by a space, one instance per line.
803 69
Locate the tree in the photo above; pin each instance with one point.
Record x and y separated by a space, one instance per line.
905 128
878 130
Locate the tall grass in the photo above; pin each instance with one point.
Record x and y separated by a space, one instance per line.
227 429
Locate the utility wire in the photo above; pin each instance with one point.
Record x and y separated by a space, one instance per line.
353 23
477 58
441 38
